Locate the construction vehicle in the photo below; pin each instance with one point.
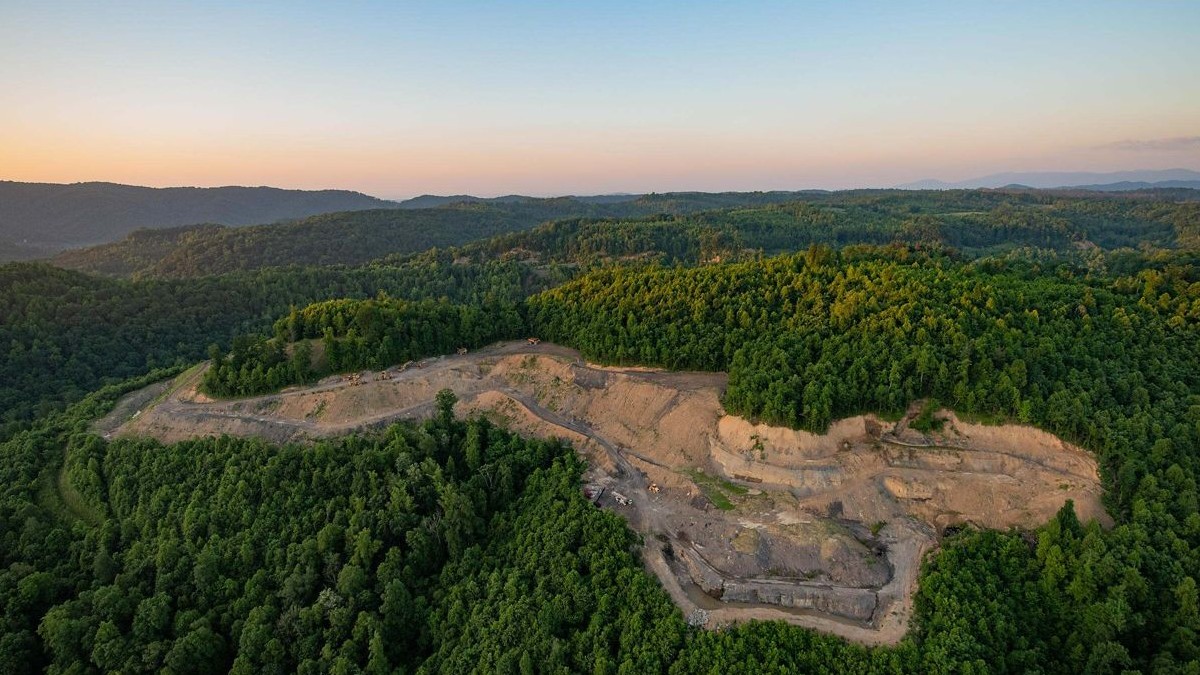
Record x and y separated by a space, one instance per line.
533 341
654 488
461 351
621 499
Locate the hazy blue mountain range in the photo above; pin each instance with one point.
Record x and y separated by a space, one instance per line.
434 201
1129 186
1056 179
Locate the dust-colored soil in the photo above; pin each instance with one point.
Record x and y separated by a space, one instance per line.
741 521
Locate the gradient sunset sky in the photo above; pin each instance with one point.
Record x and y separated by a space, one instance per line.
399 99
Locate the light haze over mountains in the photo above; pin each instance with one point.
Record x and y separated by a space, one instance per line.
1115 180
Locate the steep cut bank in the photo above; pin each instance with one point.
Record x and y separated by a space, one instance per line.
740 521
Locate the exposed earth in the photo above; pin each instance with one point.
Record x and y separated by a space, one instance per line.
740 521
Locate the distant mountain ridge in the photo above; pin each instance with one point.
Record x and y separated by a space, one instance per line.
51 216
1059 179
434 201
1130 186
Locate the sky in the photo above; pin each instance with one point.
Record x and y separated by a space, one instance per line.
403 98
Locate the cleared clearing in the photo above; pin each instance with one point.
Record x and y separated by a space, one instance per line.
740 521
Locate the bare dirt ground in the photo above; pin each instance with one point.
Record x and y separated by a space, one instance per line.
740 521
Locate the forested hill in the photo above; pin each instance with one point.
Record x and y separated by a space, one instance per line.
456 547
682 227
1109 363
356 237
347 238
63 334
974 223
334 238
1105 361
50 216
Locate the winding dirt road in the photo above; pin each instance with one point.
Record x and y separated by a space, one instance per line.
643 426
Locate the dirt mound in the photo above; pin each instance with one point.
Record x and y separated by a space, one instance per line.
741 520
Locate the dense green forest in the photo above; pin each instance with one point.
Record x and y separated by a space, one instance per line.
338 238
972 223
65 333
449 546
454 545
356 237
222 554
999 222
358 334
681 227
1107 361
823 334
813 337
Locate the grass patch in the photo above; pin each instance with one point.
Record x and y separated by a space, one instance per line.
717 490
48 499
699 476
735 489
717 497
58 496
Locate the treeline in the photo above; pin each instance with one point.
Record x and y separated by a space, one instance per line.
63 334
353 335
813 337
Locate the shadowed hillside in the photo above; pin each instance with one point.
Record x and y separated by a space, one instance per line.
48 217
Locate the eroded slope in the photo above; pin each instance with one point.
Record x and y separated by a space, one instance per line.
740 520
